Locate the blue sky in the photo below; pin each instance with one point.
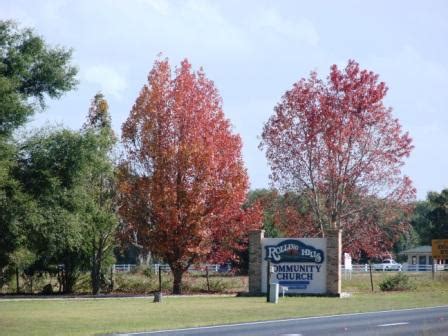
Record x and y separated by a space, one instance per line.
254 51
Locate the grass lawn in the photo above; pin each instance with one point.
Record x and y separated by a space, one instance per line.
87 317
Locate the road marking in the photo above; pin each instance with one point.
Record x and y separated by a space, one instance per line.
393 324
271 321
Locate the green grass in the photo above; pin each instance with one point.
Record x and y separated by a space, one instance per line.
96 316
360 283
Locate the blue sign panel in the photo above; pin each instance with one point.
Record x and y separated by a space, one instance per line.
293 251
297 264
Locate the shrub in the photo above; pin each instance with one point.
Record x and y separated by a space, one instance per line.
140 284
47 290
133 284
148 272
396 282
83 284
218 285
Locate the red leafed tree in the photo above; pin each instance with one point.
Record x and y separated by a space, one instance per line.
183 181
336 143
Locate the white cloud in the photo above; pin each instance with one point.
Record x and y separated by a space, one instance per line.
160 6
21 15
418 87
417 84
301 30
110 82
206 27
411 64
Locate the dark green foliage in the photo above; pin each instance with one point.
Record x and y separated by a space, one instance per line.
14 111
9 211
430 217
70 177
268 198
406 241
398 282
47 290
51 165
421 222
439 214
284 214
57 188
53 160
29 69
100 188
16 208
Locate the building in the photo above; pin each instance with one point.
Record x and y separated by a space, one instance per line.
420 255
420 259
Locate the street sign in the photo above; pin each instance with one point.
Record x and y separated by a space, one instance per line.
440 249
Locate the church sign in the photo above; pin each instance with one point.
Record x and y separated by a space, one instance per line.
296 263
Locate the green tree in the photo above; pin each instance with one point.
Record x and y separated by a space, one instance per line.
284 214
100 186
70 175
439 214
268 200
51 164
421 223
430 217
30 71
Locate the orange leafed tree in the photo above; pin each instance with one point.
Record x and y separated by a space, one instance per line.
183 181
338 145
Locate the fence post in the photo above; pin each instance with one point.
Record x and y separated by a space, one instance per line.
208 282
268 280
370 270
17 281
160 279
112 278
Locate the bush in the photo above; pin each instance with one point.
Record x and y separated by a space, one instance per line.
47 290
83 284
133 284
140 284
397 282
218 285
148 272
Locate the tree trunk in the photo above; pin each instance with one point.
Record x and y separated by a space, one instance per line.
177 283
17 281
95 277
70 277
95 273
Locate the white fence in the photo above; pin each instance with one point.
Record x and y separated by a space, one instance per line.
356 268
215 268
212 268
122 268
424 268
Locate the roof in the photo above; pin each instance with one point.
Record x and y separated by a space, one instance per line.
418 249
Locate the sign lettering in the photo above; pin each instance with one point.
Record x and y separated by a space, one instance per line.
440 248
298 264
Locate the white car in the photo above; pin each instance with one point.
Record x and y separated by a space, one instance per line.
388 265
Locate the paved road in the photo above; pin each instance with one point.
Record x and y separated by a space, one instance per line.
407 322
